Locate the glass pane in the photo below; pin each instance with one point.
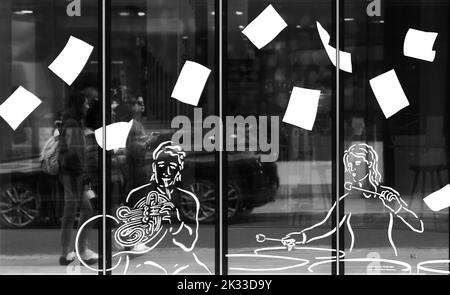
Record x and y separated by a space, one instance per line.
41 209
163 193
399 160
279 174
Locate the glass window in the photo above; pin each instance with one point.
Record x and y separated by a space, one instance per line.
40 210
222 156
165 170
280 184
400 159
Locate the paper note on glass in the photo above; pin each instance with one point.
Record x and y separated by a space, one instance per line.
72 59
190 83
116 135
302 107
18 107
439 200
265 27
389 93
419 44
345 58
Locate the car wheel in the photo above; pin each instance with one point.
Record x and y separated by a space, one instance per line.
19 206
205 192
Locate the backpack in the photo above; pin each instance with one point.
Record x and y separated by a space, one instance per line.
50 155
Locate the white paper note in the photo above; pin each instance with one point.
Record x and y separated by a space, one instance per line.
345 58
265 27
116 135
419 44
190 83
302 107
389 93
18 107
439 200
72 59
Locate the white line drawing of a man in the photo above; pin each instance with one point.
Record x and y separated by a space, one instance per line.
361 164
151 214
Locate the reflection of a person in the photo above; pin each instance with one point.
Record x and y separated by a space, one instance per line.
72 172
164 220
361 164
140 109
138 142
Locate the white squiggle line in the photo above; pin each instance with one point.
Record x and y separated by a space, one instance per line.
420 267
341 253
319 263
142 252
409 225
328 233
391 222
349 226
398 262
303 262
134 190
152 263
127 263
78 236
201 263
179 229
180 269
197 204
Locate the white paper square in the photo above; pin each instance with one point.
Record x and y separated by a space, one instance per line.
302 107
71 60
438 200
18 107
389 93
265 27
116 135
190 83
345 58
419 44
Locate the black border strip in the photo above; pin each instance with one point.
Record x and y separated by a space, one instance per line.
100 151
223 70
217 252
337 109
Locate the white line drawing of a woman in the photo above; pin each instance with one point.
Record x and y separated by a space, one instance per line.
361 164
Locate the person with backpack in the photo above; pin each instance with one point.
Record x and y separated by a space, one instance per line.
73 178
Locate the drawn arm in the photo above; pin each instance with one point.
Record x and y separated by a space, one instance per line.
185 235
391 200
314 232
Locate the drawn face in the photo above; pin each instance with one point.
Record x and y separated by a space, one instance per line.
166 170
358 167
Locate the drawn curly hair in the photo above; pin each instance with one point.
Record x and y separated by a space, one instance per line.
368 152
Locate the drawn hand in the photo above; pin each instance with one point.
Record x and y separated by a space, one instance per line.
166 208
292 239
391 199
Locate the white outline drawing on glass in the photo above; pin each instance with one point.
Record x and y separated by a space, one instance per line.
147 217
361 164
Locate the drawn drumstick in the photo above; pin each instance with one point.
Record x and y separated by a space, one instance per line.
348 186
260 238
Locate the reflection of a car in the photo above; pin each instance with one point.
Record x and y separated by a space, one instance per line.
30 197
